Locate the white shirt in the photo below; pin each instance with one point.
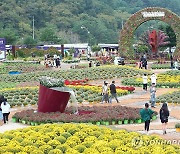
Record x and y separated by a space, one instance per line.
105 89
5 108
153 78
145 79
55 56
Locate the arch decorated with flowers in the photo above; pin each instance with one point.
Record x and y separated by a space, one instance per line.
142 16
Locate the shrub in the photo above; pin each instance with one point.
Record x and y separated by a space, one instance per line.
177 125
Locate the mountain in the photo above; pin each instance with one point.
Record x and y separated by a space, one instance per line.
70 21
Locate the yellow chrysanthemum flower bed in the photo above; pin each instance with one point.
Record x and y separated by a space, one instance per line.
164 80
87 139
97 89
19 88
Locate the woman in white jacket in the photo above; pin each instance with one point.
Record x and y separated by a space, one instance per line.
5 110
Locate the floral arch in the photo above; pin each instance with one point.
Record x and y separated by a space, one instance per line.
142 16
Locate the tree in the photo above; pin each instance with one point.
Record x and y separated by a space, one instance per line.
30 42
154 39
142 48
9 35
169 31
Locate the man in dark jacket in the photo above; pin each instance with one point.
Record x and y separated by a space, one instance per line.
113 92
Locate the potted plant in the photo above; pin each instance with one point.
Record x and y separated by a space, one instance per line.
177 126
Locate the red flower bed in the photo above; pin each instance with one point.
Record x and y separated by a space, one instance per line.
84 82
87 114
76 82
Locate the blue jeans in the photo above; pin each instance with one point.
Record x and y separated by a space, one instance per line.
105 98
115 96
153 100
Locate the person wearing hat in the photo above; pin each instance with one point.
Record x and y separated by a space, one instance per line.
105 95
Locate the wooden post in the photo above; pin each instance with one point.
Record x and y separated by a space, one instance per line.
14 51
62 50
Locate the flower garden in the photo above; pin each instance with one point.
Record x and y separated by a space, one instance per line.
169 79
171 97
98 115
85 132
80 138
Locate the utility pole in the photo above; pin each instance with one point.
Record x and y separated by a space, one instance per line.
122 24
33 27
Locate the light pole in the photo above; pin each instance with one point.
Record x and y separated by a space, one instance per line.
171 57
83 27
33 27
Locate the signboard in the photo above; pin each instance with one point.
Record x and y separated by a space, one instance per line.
153 14
2 48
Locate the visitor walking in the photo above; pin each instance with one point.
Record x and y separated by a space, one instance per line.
153 78
113 92
146 115
153 95
164 114
144 63
90 64
5 110
176 65
145 81
57 62
105 95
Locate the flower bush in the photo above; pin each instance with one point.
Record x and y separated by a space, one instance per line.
109 141
86 114
51 82
161 66
171 97
177 125
19 96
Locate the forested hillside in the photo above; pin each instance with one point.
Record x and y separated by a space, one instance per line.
70 21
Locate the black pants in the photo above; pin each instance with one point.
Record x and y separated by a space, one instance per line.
5 117
145 86
147 123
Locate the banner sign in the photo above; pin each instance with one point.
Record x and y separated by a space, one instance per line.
2 48
153 14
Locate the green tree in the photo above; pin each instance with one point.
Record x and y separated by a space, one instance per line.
142 48
30 42
48 35
9 34
169 31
